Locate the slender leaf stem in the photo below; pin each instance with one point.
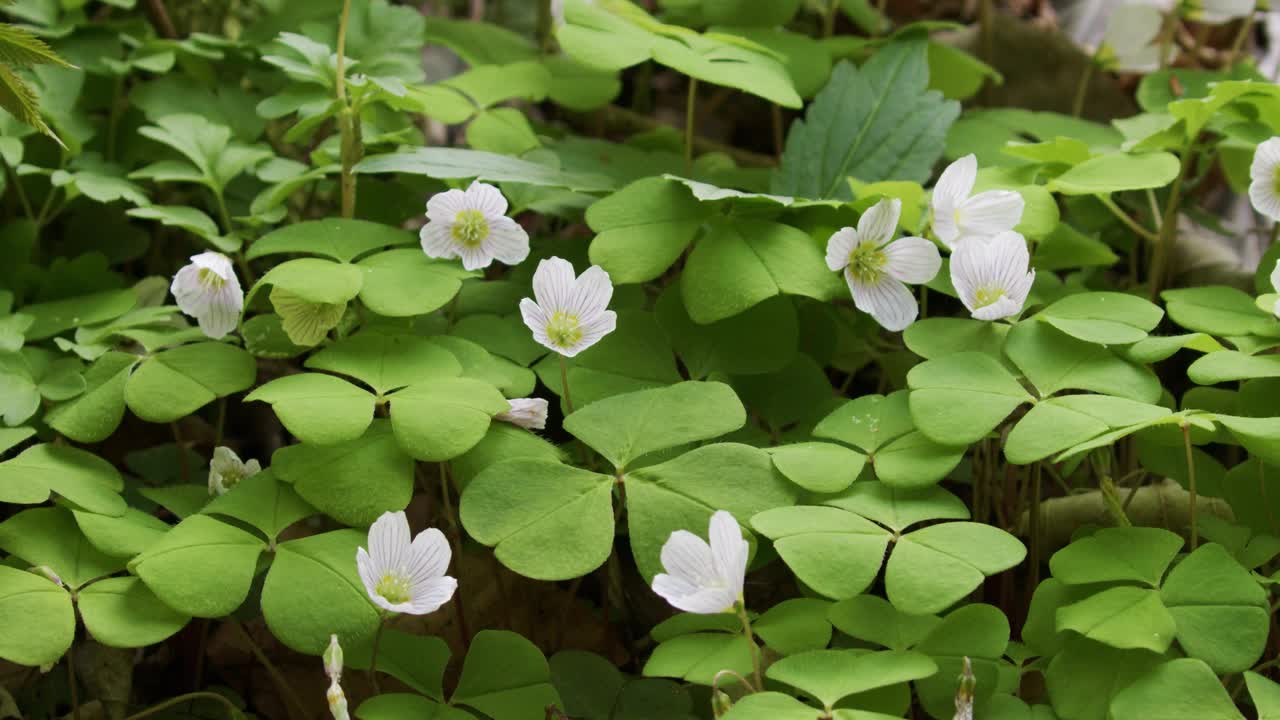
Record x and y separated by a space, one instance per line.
1238 44
829 21
1191 484
373 654
1169 225
1034 525
20 191
72 684
455 539
233 712
564 384
1082 88
1129 222
348 121
294 705
757 671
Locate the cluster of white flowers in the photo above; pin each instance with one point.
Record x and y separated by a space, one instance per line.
990 264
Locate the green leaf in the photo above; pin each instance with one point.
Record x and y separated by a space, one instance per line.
1260 436
1222 613
795 625
338 239
1059 423
440 419
264 502
313 280
506 677
1230 366
1116 172
37 615
504 441
190 219
400 706
625 427
318 409
460 164
49 537
832 551
1133 554
933 568
1084 677
1065 247
698 657
1215 310
86 480
737 265
123 613
588 684
1105 318
875 620
175 383
386 362
897 508
1184 689
735 345
544 519
683 493
877 122
405 282
832 675
935 337
978 632
1265 695
868 422
97 412
202 567
123 536
1054 361
418 661
776 706
318 573
57 316
355 482
642 229
818 467
915 461
958 399
1122 617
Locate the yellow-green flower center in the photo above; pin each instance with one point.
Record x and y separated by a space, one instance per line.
394 588
1275 179
866 263
470 228
564 330
211 279
987 296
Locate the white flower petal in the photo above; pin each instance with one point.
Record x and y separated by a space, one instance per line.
729 549
208 290
953 188
553 284
536 320
368 573
889 302
507 241
487 199
592 293
991 212
839 247
389 541
528 413
1000 264
912 260
594 331
688 598
217 263
1264 173
444 207
688 557
474 258
430 595
880 222
437 240
429 556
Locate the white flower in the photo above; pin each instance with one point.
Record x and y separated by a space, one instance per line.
1264 174
402 576
1216 12
1131 42
337 701
226 469
957 216
333 659
992 276
702 578
473 225
209 291
570 314
876 266
528 413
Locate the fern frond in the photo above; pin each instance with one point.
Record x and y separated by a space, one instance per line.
21 101
20 48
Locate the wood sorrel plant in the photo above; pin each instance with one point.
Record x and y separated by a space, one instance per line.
698 359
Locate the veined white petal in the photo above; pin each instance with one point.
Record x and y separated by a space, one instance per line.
912 260
528 413
729 550
388 541
953 188
536 320
430 595
689 598
507 241
429 555
592 293
839 247
444 207
991 212
992 276
474 258
1264 188
368 573
208 290
889 302
216 263
594 331
437 240
880 222
487 199
689 558
553 284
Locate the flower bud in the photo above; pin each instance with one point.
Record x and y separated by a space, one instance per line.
333 659
337 702
964 693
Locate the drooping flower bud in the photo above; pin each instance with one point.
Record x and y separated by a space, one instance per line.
964 694
337 702
333 659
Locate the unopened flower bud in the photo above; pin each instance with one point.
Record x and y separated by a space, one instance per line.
964 694
48 573
337 702
333 659
721 703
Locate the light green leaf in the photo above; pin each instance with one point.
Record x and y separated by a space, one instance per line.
338 239
1105 318
698 657
386 362
832 675
319 409
97 412
1222 613
1216 310
121 612
49 537
1132 554
1115 172
897 508
440 419
933 568
1183 689
642 229
86 480
505 676
1122 617
818 467
175 383
37 614
958 399
832 551
1054 361
404 282
263 502
874 619
1059 423
460 164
